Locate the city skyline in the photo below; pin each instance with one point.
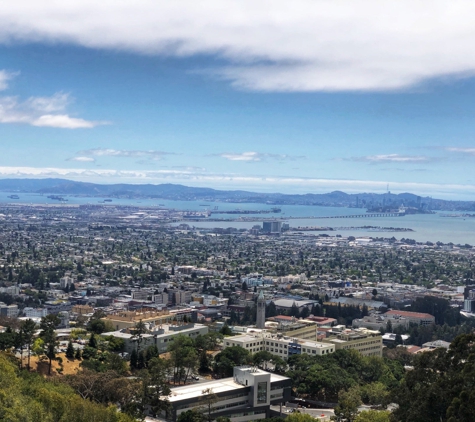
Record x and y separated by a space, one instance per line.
268 96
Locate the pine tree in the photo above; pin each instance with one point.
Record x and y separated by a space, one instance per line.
70 350
134 359
77 355
92 341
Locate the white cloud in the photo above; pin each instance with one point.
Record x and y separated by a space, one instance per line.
4 78
109 152
82 159
37 111
393 158
251 156
274 45
470 151
237 181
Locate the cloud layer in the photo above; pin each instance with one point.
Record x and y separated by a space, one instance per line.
270 45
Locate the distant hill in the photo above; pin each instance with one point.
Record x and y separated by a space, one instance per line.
181 192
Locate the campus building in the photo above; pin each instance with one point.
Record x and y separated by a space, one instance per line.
419 318
278 345
247 396
159 337
367 342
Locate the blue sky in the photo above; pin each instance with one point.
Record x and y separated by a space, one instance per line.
264 96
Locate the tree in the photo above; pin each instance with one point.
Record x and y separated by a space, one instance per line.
348 403
139 330
440 387
225 330
92 341
230 357
208 399
134 359
155 387
70 350
183 357
261 358
191 416
48 335
29 328
77 355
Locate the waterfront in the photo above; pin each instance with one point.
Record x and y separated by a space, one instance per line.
426 227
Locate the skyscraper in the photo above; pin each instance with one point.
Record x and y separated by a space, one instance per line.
261 311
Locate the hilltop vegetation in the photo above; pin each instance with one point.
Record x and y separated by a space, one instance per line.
28 397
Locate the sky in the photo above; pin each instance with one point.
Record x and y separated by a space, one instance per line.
308 96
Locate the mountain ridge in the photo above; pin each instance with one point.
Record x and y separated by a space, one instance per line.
171 191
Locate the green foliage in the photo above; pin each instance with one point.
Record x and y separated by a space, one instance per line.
440 387
348 403
70 350
300 417
226 331
323 377
183 357
191 416
48 335
27 397
374 416
230 357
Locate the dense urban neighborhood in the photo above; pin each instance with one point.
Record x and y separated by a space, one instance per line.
129 312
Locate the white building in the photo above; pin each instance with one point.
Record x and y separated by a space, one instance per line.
35 313
277 345
247 396
160 338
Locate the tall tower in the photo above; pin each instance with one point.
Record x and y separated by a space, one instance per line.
261 311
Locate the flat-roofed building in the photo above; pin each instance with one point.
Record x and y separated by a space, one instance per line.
367 342
278 345
160 337
414 317
247 396
376 322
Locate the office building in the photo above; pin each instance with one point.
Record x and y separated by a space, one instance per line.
247 396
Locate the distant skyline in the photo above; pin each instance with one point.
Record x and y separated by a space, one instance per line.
273 96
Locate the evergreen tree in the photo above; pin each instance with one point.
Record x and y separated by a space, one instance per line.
134 359
92 341
77 355
70 350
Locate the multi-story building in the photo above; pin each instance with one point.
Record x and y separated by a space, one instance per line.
378 321
182 297
278 345
367 342
140 295
161 298
414 317
272 227
159 337
10 311
35 313
247 396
